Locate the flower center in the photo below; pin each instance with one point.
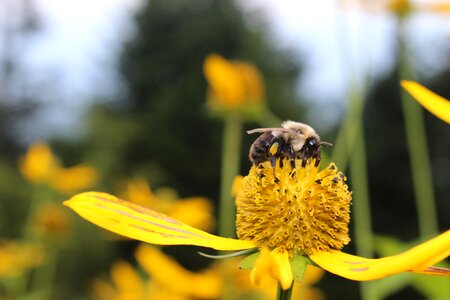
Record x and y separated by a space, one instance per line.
299 210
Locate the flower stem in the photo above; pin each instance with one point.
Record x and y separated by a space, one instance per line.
231 149
361 209
418 151
284 294
349 131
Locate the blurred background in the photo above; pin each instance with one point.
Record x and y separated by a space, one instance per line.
115 96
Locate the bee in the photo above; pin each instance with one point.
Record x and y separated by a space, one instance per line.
293 141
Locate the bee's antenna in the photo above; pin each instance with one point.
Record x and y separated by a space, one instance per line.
326 144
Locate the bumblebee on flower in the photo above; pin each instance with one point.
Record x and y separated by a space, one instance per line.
293 213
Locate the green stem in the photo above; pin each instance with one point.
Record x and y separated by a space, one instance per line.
43 281
284 294
361 209
418 152
350 148
349 131
231 150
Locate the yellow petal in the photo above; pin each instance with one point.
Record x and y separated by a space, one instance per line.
418 259
166 272
437 105
39 163
103 290
69 180
224 80
312 275
127 281
139 192
136 222
16 257
194 211
252 80
274 263
237 185
436 7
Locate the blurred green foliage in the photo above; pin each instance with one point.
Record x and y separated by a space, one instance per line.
393 205
160 127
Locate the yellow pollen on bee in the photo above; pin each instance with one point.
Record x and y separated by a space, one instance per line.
273 149
299 210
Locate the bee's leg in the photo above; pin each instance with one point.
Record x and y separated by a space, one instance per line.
292 158
292 161
316 164
317 157
273 161
273 150
304 163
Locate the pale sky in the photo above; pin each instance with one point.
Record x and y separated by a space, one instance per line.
70 51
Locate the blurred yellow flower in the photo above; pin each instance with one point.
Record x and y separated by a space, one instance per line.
233 85
167 280
41 166
16 257
69 180
126 284
194 211
166 274
437 105
51 220
402 8
306 289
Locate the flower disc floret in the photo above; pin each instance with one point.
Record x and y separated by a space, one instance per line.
297 209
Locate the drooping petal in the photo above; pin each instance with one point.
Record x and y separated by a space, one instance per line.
274 263
437 105
136 222
418 259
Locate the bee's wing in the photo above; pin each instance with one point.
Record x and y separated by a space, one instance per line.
263 130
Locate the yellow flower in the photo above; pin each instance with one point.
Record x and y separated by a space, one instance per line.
38 164
168 280
233 85
51 221
68 180
402 8
127 284
166 274
16 258
437 105
41 166
289 214
194 211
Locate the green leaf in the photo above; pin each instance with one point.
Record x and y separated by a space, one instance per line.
433 287
249 262
298 266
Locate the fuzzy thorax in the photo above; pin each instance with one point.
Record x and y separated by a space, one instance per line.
301 210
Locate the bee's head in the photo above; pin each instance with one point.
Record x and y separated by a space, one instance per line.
311 147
